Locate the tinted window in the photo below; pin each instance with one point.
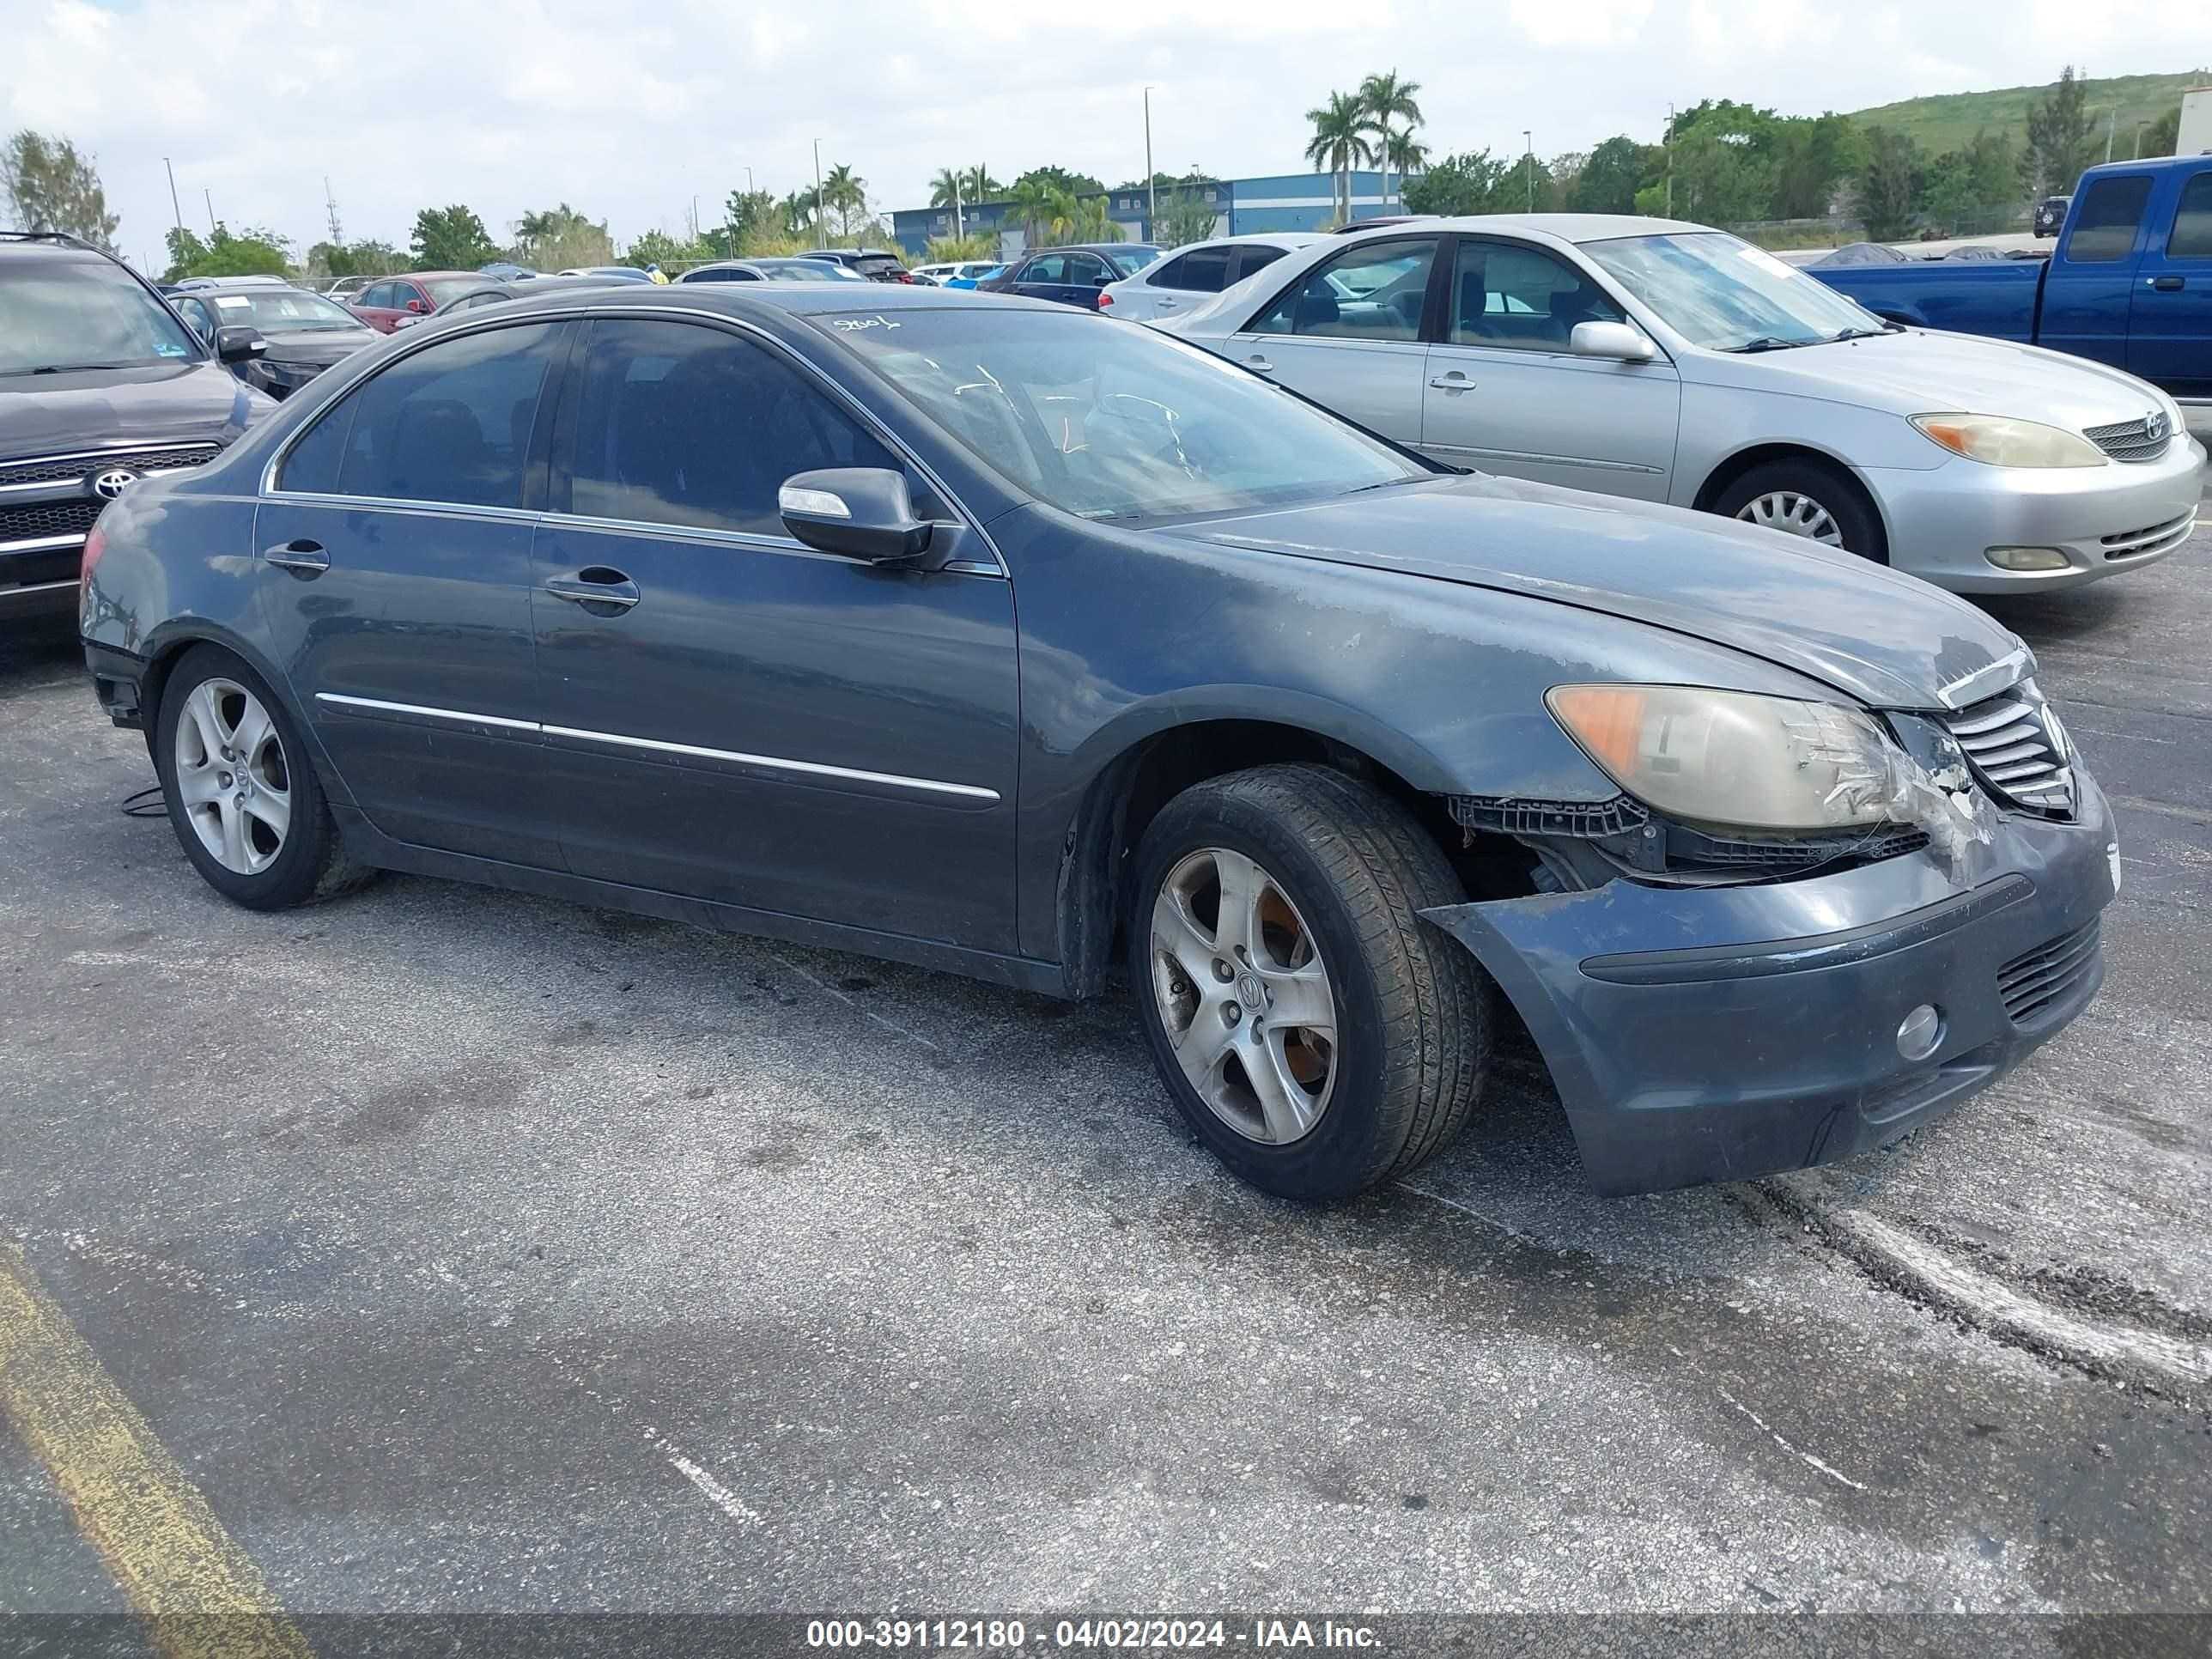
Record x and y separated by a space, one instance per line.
1045 268
1087 270
1249 260
1374 292
1205 271
680 424
1504 296
2192 221
70 313
312 464
449 423
195 313
377 294
2105 229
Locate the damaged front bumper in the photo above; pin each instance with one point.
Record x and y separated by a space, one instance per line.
1700 1034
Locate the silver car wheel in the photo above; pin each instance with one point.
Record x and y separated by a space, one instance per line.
1244 996
1794 515
232 780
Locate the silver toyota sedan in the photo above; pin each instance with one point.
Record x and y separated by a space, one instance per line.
1676 363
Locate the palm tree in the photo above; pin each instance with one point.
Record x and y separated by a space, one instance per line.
843 189
797 212
977 184
1340 142
1385 99
1032 206
949 186
1408 155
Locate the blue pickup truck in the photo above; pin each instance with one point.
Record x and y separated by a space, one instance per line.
2128 283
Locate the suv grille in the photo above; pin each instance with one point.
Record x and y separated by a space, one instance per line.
2033 980
25 524
68 468
2018 750
2131 440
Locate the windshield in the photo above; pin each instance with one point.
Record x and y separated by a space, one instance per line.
1130 261
64 314
1728 295
291 310
1113 422
444 288
806 271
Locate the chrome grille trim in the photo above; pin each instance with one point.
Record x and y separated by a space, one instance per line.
2018 750
2130 440
70 466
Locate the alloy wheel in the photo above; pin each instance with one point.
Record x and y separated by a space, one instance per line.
233 779
1794 515
1244 996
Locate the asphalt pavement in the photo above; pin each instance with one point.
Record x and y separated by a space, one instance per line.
469 1251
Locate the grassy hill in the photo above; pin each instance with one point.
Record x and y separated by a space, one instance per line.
1950 120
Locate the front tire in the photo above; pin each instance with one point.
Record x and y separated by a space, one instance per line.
241 792
1811 499
1314 1033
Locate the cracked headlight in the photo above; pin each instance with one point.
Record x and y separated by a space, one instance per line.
1738 760
1995 441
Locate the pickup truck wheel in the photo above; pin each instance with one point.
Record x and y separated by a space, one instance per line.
1809 499
1314 1033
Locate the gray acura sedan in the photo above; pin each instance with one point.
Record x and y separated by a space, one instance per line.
999 638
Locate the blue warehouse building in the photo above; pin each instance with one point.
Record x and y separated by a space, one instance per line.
1289 201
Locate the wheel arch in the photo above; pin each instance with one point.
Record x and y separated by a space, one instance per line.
165 648
1733 467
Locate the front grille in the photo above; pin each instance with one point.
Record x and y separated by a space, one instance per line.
24 523
2018 749
83 463
2131 440
2031 981
2153 538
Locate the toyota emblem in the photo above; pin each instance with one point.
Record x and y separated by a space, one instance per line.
113 483
2155 426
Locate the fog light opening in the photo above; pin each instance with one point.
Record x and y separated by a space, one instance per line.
2026 558
1921 1030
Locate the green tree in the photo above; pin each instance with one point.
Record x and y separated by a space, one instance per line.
362 258
254 252
1814 157
1889 183
1474 182
796 210
1391 110
658 247
2163 136
2061 139
50 186
976 184
1186 211
1031 203
1975 186
847 193
1339 144
1075 184
450 239
949 186
747 215
1607 181
1725 158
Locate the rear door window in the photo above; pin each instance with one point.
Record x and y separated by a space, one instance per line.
2105 228
449 424
2191 235
1204 271
1045 268
1372 292
1256 257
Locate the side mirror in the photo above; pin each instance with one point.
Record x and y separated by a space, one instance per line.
416 306
239 344
1616 340
859 511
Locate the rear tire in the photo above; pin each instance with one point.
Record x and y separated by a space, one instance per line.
1336 1041
1809 498
241 790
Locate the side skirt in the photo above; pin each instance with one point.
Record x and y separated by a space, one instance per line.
371 846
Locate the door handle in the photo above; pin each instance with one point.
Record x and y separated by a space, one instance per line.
596 584
2167 284
303 558
1167 305
1453 381
1259 363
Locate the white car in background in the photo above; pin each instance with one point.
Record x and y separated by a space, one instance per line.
1675 364
966 270
1185 277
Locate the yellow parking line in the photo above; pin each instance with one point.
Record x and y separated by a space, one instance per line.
201 1595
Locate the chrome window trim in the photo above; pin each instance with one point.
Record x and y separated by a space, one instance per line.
583 311
45 543
400 504
773 763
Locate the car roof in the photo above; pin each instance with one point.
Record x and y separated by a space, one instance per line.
224 287
1089 247
798 299
425 275
27 246
1568 226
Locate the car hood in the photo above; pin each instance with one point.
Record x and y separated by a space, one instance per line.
91 409
1919 371
318 345
1891 641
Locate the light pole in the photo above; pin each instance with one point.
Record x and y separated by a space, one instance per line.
209 196
821 225
174 207
1528 145
2140 126
1152 191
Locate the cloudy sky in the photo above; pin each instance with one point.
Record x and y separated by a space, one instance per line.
509 105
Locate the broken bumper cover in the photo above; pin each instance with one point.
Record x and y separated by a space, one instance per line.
1718 1033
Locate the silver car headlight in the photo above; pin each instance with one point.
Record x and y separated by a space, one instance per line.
2000 441
1739 760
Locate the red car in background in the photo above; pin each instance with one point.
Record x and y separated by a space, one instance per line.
390 301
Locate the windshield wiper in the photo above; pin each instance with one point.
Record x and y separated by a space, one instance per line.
1767 343
1859 334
